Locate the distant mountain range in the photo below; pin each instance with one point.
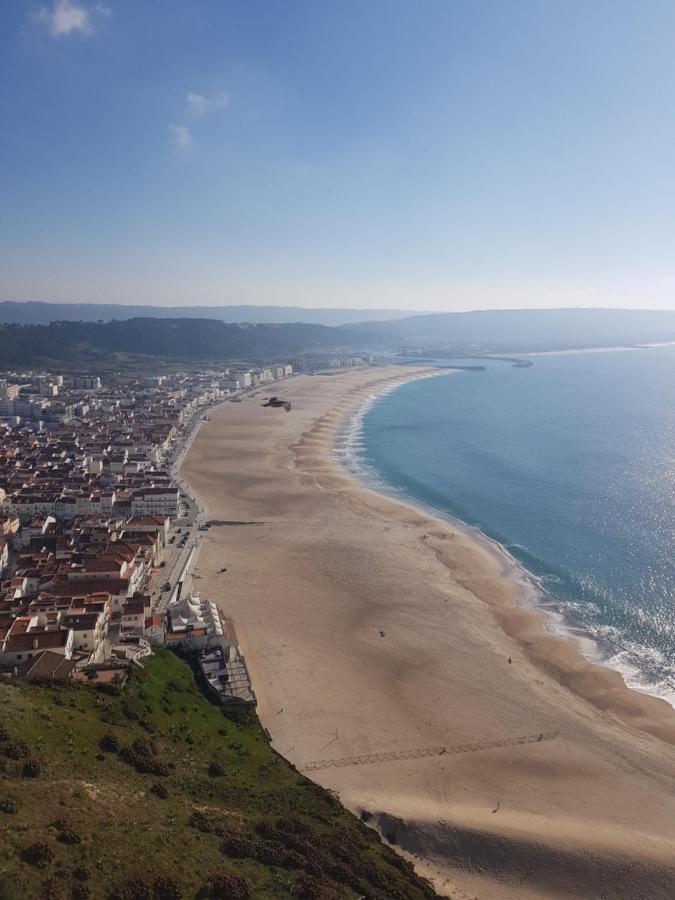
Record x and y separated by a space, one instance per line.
39 313
447 334
526 330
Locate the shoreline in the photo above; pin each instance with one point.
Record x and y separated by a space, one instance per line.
654 345
374 630
519 577
534 595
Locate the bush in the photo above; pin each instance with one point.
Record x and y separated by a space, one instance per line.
38 854
308 888
135 888
291 825
51 889
200 821
144 747
4 734
80 892
8 805
266 830
109 743
225 887
166 888
238 847
340 873
159 790
81 873
31 769
216 769
142 761
272 853
69 836
17 750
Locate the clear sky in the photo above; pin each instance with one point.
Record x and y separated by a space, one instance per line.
426 154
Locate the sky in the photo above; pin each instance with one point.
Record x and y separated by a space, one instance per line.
424 155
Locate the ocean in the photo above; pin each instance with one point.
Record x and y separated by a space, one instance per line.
569 465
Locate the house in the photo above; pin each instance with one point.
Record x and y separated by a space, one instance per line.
47 665
133 617
194 624
88 628
116 589
155 629
149 525
19 647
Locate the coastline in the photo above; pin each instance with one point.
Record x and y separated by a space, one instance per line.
529 592
533 594
571 672
370 626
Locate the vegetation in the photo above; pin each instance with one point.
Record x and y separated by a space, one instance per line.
152 793
184 339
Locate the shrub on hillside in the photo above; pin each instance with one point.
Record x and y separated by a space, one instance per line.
70 836
238 846
266 830
31 769
310 888
142 760
109 743
8 805
38 854
159 790
4 734
81 873
17 750
144 747
201 821
135 888
292 825
225 887
166 888
51 889
272 853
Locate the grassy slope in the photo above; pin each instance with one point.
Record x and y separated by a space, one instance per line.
125 830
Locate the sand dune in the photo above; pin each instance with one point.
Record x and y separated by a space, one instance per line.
375 630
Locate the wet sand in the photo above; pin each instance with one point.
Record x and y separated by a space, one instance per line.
374 630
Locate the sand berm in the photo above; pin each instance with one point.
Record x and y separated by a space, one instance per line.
373 629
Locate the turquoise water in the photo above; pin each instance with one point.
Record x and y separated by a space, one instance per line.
570 465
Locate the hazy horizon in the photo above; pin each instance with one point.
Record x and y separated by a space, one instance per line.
436 158
343 307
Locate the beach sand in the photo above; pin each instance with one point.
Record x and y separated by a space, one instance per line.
372 628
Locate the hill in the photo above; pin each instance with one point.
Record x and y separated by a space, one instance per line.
523 330
40 313
184 339
150 793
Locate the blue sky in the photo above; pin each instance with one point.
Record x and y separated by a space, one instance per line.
428 154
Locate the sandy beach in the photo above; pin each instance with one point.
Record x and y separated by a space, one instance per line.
373 630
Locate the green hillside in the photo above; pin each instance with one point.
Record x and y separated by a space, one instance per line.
150 793
185 339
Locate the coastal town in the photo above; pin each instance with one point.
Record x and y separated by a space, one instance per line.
97 537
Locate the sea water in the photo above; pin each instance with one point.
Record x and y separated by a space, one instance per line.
570 465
